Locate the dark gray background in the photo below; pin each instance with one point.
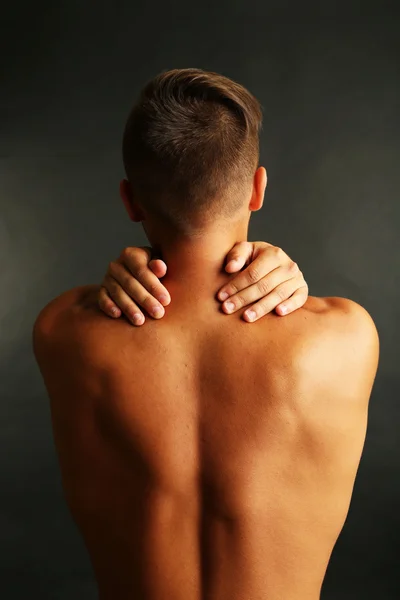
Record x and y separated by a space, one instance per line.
328 79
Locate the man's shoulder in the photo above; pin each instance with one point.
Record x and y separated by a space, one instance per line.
341 338
332 304
60 318
342 316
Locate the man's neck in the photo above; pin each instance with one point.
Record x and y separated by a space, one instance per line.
196 265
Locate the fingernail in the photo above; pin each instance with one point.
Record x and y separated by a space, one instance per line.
283 309
163 298
250 314
229 306
157 311
137 319
114 311
223 296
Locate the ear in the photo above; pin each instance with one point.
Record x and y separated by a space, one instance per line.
259 185
125 191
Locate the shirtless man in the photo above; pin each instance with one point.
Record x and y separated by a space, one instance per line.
203 457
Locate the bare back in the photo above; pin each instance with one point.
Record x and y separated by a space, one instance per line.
204 458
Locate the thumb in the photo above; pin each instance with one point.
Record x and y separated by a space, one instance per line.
238 256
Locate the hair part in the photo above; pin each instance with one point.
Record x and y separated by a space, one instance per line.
191 146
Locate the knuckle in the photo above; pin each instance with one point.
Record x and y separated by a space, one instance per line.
293 267
126 284
105 303
253 275
304 288
127 252
264 286
110 285
141 272
153 289
146 301
111 267
232 289
296 301
239 300
278 250
261 308
281 292
125 306
261 305
303 283
300 279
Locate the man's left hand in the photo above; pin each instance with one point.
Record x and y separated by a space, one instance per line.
271 277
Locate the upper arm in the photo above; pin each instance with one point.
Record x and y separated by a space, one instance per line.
53 331
340 365
360 342
341 353
66 343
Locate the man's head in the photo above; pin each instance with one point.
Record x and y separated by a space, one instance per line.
191 151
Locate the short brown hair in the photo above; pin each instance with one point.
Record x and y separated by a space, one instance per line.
189 145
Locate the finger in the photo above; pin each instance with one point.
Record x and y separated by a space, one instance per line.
262 265
107 305
134 258
158 267
238 256
128 307
147 281
134 291
297 300
269 302
258 290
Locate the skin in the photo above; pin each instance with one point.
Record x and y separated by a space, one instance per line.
271 281
201 458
